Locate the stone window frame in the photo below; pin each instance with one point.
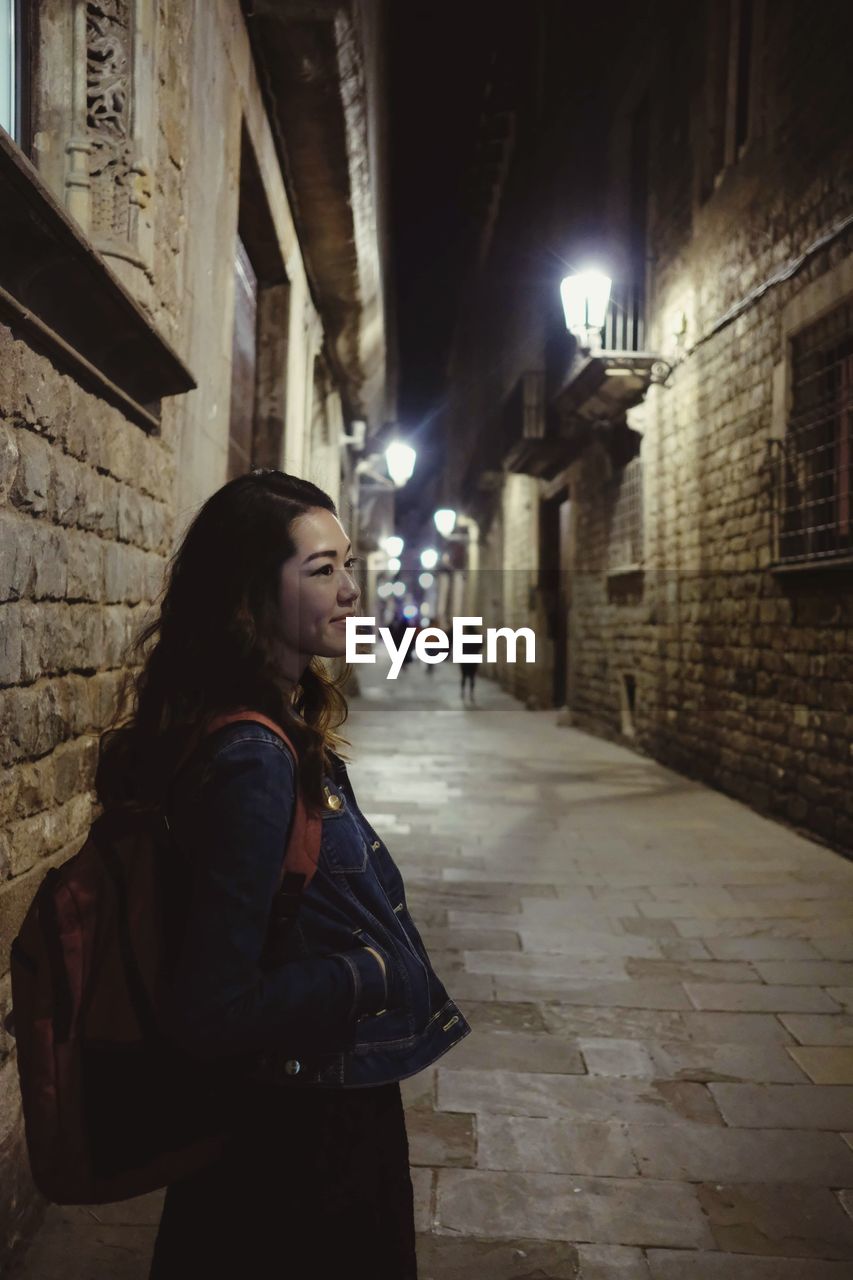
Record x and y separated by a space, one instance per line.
718 106
817 299
94 108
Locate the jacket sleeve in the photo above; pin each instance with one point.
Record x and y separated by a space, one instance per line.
221 1001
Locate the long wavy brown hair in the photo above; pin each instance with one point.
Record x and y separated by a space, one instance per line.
211 648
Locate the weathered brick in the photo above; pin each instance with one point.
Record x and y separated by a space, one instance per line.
31 489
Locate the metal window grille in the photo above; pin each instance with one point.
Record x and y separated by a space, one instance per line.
814 507
625 543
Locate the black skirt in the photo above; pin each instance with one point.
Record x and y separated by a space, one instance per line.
313 1182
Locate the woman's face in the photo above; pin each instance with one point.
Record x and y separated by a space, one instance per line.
317 591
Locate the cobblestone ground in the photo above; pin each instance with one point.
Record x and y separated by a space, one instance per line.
659 1083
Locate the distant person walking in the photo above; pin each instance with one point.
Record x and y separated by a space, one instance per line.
469 666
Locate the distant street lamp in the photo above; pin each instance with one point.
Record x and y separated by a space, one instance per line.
429 558
393 545
400 461
585 299
445 521
393 565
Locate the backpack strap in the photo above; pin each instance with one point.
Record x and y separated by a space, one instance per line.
303 847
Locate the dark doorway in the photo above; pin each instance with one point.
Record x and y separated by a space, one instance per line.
261 327
555 585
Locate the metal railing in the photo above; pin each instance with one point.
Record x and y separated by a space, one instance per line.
625 323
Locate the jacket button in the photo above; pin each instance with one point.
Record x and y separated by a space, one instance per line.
292 1067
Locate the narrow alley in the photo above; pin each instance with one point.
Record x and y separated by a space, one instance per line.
659 1081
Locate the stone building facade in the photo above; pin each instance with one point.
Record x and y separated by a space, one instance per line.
183 294
690 520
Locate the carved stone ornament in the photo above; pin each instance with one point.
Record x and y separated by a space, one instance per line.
120 185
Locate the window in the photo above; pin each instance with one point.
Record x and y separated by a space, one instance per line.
815 512
625 543
12 68
734 37
244 364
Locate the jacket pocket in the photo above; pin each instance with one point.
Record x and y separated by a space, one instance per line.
343 847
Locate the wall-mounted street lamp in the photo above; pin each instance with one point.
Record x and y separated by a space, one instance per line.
400 461
585 298
393 546
445 521
429 558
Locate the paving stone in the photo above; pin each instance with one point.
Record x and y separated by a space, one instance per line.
517 1051
758 997
785 1106
697 971
578 968
702 1153
819 1028
792 1221
785 890
587 944
835 948
843 995
452 1258
761 949
533 1145
791 908
817 973
648 1024
440 1138
684 949
418 1092
665 1264
552 1206
675 1059
611 1262
453 939
423 1187
845 1199
578 1098
610 1057
622 995
68 1248
809 930
824 1064
647 928
503 1015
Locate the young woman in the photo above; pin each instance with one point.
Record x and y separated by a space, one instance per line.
315 1179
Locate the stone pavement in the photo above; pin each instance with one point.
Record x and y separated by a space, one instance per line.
659 1083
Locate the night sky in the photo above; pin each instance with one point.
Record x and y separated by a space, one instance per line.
438 65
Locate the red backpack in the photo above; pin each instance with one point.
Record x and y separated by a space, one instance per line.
112 1108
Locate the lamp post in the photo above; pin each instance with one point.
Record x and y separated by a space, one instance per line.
585 297
400 461
445 521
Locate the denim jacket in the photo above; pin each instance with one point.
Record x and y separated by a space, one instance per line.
325 1014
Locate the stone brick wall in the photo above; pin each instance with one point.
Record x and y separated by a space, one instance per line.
744 676
707 658
91 504
85 526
